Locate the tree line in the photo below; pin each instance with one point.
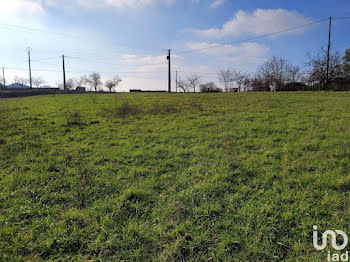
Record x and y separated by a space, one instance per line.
93 81
276 74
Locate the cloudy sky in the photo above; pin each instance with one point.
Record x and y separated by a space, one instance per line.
130 37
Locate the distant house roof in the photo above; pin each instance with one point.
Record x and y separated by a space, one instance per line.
18 85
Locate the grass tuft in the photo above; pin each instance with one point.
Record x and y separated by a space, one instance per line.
74 118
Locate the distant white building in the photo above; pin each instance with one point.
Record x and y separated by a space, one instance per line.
18 86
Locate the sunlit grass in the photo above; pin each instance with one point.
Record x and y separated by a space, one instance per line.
201 177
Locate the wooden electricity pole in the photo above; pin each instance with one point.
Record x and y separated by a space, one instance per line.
169 71
30 69
176 81
3 77
64 75
329 49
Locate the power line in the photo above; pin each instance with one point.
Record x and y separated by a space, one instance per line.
251 38
43 59
107 63
141 57
45 63
107 72
89 55
341 17
28 29
196 72
124 58
150 56
31 30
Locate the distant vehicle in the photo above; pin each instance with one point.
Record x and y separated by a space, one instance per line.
80 89
17 86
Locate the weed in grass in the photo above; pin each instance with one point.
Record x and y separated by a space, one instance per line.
158 108
74 118
127 109
122 111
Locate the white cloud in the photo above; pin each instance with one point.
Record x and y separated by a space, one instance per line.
123 3
261 21
8 7
38 6
217 3
214 4
150 63
246 52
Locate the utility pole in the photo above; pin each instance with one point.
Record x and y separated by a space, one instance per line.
64 75
329 49
3 77
176 81
169 71
179 80
30 69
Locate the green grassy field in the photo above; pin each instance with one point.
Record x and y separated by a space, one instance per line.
193 177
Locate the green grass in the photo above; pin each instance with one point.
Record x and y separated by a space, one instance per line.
194 177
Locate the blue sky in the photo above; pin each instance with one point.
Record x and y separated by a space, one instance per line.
130 37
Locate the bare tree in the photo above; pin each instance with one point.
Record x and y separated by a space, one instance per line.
239 76
38 81
82 80
293 73
346 63
71 83
193 81
21 80
276 72
112 83
183 85
258 83
225 78
246 83
272 72
209 87
94 80
318 68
